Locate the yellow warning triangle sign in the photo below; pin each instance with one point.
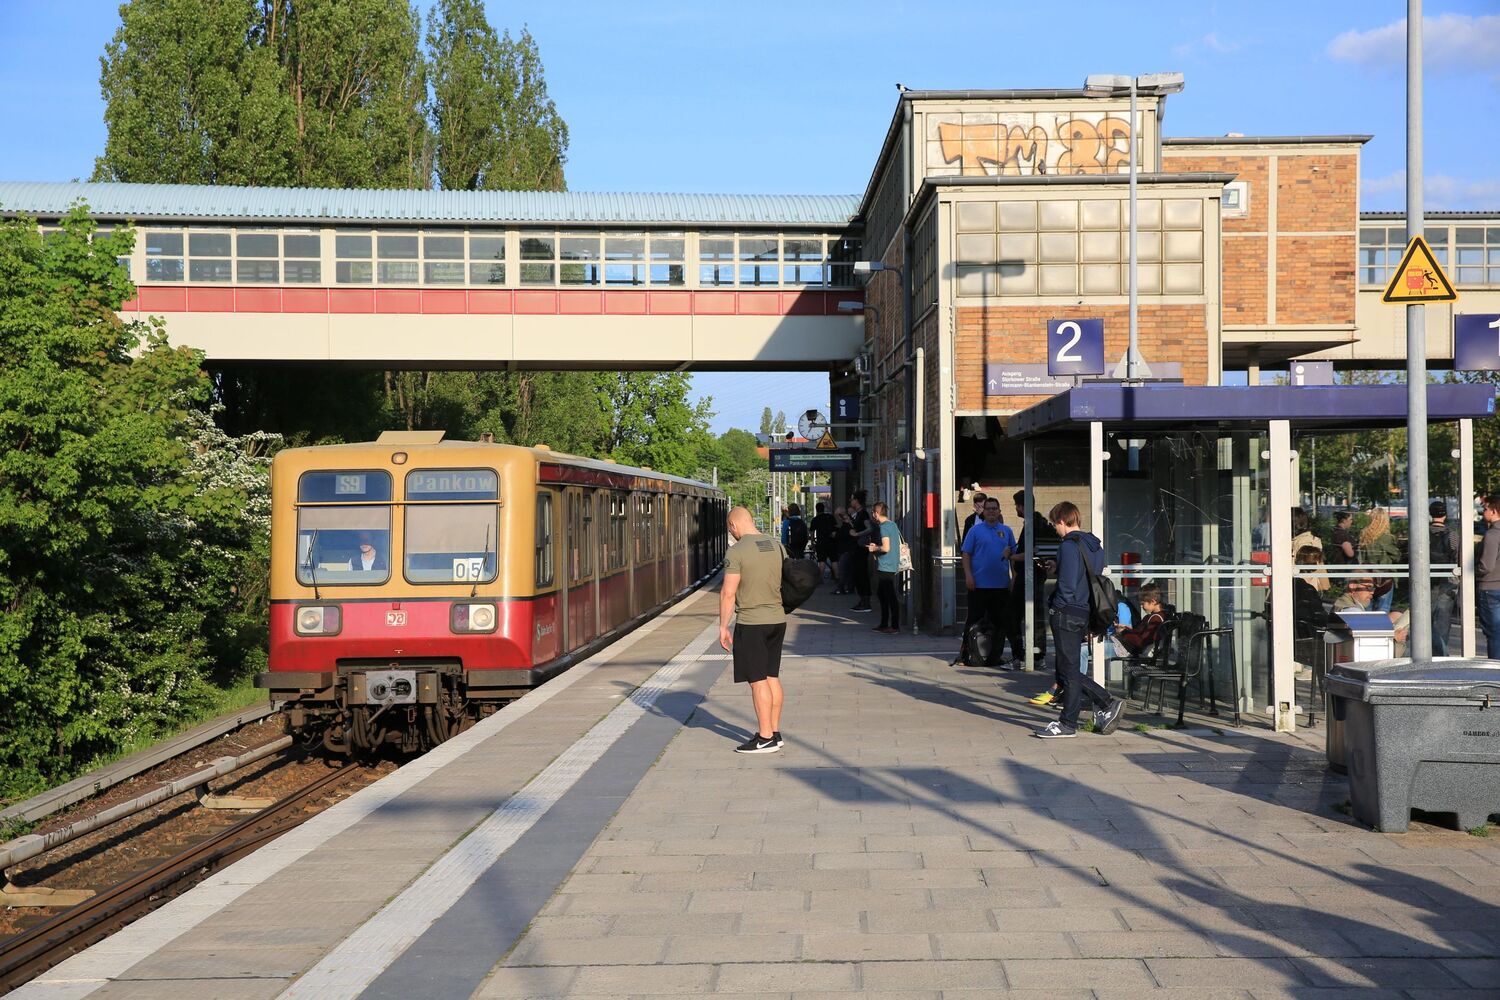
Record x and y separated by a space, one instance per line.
827 443
1419 277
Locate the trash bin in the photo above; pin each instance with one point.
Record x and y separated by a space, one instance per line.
1370 638
1420 735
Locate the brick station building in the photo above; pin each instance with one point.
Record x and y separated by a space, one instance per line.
1004 210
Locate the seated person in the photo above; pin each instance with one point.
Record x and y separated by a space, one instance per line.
1307 605
1132 640
371 554
1358 596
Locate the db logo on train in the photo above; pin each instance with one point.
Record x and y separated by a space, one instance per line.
394 618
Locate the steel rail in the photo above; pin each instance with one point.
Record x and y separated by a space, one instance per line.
85 786
30 954
29 846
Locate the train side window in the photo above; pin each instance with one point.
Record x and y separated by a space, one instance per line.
619 516
545 553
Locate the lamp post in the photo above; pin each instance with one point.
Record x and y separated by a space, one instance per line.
1107 84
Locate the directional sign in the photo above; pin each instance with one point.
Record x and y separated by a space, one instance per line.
1476 342
845 408
808 460
1003 379
827 443
1418 278
1075 347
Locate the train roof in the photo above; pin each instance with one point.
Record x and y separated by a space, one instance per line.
428 442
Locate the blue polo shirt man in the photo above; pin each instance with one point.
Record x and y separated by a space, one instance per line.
986 556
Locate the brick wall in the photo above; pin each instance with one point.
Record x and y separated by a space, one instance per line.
1315 195
1019 334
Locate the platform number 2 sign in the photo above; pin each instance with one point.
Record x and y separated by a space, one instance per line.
1075 347
1476 342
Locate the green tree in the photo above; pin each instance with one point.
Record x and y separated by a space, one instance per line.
188 100
652 422
357 81
117 593
767 421
494 125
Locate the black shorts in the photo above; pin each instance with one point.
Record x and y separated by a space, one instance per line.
757 652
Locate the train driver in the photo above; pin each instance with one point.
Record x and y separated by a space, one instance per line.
371 552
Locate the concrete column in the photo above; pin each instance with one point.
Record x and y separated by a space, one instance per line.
1028 565
1283 666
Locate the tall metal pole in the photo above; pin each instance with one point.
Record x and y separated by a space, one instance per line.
1131 351
1420 639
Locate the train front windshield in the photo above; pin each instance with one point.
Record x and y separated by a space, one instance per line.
344 528
452 525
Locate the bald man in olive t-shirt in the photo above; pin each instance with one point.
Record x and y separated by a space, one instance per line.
752 595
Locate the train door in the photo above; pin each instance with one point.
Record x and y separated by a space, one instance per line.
598 508
580 568
549 606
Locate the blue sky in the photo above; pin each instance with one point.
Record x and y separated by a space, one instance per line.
683 95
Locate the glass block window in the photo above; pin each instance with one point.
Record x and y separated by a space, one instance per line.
354 264
208 256
1069 248
164 255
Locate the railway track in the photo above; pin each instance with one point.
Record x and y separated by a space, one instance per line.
28 955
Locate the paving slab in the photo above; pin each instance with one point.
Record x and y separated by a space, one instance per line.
911 840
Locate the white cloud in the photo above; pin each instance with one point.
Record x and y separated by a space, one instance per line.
1450 43
1210 42
1440 193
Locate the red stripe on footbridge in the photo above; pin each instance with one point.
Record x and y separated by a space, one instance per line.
485 302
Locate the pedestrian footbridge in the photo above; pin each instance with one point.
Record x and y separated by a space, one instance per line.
479 279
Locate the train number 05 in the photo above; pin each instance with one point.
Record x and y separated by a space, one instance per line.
468 570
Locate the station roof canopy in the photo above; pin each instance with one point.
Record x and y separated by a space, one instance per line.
216 203
1180 407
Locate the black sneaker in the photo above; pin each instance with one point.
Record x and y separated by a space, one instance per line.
1107 720
860 607
757 745
777 737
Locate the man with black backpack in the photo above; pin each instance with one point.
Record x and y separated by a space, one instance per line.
1074 614
752 595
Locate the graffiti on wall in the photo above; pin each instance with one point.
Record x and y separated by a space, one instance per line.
1024 145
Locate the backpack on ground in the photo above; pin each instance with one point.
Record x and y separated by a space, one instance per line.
1104 598
799 578
979 647
796 536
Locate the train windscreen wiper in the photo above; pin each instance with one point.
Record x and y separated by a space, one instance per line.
473 591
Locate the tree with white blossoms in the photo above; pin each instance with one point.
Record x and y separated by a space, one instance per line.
119 587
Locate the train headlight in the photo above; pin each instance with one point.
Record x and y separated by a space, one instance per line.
473 618
318 619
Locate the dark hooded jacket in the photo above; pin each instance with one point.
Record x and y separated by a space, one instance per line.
1072 593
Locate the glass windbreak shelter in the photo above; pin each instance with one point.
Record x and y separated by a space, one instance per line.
1193 487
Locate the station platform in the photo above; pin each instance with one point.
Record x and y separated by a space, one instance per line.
600 838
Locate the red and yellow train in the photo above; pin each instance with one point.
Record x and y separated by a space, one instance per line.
418 583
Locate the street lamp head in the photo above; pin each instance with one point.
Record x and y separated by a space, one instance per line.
868 266
1105 83
1162 83
848 306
